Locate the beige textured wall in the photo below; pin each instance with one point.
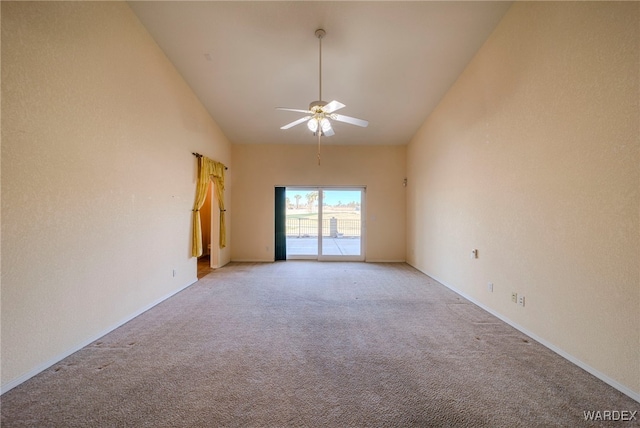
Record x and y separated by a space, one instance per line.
258 169
98 179
532 158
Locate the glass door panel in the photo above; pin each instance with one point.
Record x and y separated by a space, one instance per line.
341 217
302 222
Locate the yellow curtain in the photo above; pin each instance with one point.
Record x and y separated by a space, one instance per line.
208 170
217 175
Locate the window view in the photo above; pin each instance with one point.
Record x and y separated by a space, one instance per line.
302 222
335 215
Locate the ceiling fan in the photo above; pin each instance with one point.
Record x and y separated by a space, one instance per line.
320 113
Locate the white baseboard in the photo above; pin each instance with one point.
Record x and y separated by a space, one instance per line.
617 385
312 258
42 367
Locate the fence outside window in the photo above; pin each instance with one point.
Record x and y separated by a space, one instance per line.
331 227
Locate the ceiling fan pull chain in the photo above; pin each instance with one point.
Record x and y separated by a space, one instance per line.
319 132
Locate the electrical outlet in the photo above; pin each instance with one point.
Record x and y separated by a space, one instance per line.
514 297
490 287
521 301
474 254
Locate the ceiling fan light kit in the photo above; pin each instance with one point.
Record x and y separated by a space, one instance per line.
320 113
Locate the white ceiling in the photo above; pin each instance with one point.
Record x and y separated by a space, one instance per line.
389 62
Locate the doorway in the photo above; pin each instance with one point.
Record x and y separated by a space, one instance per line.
210 228
324 223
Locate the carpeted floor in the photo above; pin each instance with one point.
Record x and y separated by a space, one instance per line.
313 344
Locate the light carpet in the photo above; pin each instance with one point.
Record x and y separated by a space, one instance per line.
314 344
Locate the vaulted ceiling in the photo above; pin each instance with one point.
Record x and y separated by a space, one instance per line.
389 62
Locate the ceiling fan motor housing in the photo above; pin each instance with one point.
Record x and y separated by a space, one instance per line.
316 106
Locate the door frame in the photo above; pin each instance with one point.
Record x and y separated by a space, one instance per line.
214 253
319 256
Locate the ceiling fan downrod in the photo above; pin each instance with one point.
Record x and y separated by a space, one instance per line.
320 33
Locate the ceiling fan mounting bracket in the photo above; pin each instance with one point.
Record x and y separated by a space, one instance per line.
320 33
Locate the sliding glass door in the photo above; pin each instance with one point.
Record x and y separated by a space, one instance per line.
324 223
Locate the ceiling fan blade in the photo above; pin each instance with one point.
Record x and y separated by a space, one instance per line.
328 133
294 109
295 122
349 119
333 106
